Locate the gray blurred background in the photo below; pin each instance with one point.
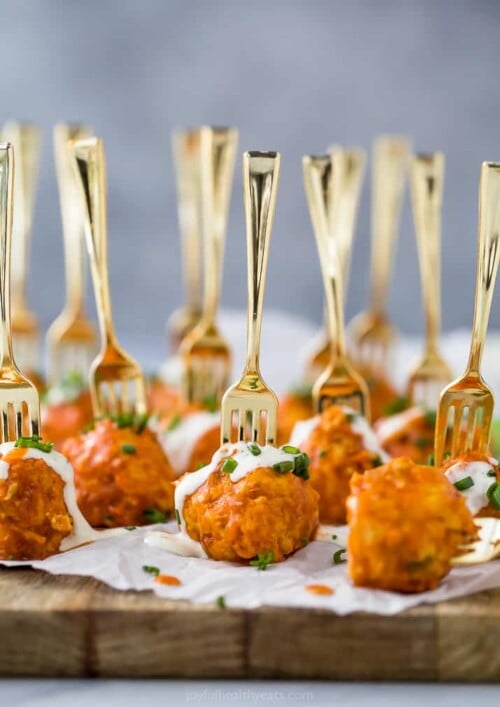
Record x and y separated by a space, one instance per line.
293 75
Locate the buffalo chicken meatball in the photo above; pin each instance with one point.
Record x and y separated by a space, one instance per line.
406 524
251 502
408 434
477 478
122 475
339 443
34 517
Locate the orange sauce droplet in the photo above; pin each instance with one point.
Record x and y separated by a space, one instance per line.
168 579
319 589
15 454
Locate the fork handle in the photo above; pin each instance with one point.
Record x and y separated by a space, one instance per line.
217 157
349 163
186 151
260 187
319 185
71 215
25 137
488 255
426 180
6 195
390 155
90 170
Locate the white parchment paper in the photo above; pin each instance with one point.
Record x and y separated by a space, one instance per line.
117 560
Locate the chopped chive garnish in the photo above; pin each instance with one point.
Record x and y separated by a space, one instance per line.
304 541
430 418
338 558
263 560
302 466
431 461
125 419
34 443
174 422
210 403
350 416
154 515
493 495
254 449
491 472
128 449
201 465
229 465
377 461
141 423
423 442
289 449
150 569
221 602
130 527
397 405
177 517
334 537
464 484
283 467
323 453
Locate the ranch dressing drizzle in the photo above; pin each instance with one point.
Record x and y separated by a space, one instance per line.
82 531
387 427
182 543
359 425
475 496
178 443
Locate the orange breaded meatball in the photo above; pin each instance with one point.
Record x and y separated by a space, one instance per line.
120 472
265 513
406 524
33 515
336 451
67 418
383 395
294 407
163 398
408 434
477 477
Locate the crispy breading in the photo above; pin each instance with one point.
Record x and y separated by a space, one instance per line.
114 487
34 518
336 452
406 524
64 420
262 512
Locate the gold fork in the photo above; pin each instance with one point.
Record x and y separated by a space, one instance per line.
116 379
339 383
71 338
342 217
205 353
26 139
467 404
250 400
186 149
371 334
19 403
431 373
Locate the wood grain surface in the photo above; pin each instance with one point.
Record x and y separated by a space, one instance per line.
75 626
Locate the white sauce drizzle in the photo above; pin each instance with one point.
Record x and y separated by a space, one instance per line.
181 543
387 427
178 444
475 496
82 531
359 425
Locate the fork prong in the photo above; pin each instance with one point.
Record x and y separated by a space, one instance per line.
472 419
457 424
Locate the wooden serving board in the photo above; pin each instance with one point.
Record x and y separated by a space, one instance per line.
76 626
